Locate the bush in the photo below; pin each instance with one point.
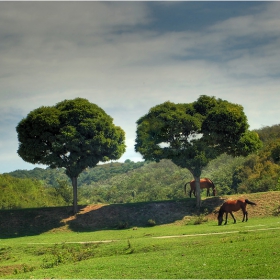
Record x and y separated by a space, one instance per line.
151 222
200 219
122 225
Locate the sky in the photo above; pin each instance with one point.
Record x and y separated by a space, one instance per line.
127 57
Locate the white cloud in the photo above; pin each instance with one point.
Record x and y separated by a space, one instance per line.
109 53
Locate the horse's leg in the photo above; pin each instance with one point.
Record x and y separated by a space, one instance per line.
233 217
208 192
245 216
192 191
226 218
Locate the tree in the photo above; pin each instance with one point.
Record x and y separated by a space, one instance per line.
192 135
73 134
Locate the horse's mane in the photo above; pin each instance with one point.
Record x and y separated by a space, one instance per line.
212 183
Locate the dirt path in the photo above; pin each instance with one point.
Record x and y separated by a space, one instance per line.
169 236
216 233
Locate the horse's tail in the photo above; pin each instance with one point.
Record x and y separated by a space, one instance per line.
250 202
185 187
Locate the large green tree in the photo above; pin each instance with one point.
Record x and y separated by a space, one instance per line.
193 134
73 134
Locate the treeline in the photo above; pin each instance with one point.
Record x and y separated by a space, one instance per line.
144 181
51 187
100 172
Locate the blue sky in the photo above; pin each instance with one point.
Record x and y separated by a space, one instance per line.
127 57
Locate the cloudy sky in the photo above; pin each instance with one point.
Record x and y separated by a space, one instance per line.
127 57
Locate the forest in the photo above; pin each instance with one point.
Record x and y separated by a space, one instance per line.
130 181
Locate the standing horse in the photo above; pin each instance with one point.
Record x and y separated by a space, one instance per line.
232 206
205 183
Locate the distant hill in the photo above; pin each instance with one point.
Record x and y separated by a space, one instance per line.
269 133
98 173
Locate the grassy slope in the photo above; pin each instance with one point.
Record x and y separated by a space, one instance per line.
16 223
43 236
232 255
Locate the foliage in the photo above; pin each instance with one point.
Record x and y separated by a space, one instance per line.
268 133
261 172
257 175
274 151
130 181
100 172
151 222
26 193
254 173
49 176
73 134
64 190
192 135
221 172
151 182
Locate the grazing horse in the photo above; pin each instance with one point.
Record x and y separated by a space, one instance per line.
232 206
205 183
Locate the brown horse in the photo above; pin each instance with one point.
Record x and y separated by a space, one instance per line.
232 206
205 183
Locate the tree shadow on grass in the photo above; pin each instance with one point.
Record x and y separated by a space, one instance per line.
28 222
118 216
33 221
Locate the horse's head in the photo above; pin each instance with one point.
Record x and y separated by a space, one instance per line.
220 220
220 217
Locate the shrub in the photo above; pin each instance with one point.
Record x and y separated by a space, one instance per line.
122 225
200 219
151 222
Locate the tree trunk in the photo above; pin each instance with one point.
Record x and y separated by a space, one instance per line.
75 194
197 190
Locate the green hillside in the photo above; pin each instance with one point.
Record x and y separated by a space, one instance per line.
26 222
144 181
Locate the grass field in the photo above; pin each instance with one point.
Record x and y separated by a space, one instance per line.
194 247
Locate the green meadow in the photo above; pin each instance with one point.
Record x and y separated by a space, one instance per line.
185 250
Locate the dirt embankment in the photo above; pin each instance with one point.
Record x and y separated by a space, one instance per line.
14 223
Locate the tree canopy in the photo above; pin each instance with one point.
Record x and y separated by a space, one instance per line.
193 134
73 134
